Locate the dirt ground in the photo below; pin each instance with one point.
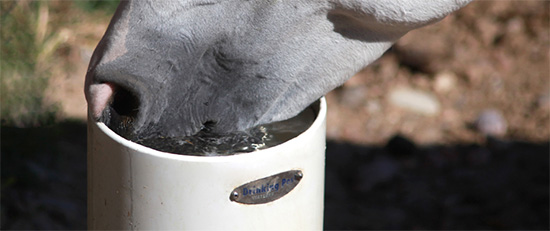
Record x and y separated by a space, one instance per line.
389 166
494 54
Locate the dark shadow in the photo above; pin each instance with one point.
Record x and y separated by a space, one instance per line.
354 26
500 185
43 173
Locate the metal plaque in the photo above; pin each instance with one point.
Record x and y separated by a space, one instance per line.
266 189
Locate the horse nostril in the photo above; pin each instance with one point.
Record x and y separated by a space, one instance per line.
123 112
208 125
125 103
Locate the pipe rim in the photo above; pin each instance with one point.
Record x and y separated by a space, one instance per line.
317 123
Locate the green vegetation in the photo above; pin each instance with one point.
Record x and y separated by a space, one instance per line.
23 77
32 36
108 6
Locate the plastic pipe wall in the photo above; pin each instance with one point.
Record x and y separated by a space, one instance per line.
131 186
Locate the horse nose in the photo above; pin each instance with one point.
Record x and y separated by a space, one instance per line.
115 105
99 97
113 97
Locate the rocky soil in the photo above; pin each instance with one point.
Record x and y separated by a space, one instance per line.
436 81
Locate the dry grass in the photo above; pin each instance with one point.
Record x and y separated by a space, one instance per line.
45 48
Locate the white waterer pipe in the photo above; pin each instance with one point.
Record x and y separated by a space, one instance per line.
131 186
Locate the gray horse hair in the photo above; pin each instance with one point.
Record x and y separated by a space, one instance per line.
173 66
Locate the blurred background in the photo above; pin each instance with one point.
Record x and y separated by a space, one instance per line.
448 130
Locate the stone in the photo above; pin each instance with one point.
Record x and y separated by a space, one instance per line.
415 101
373 106
353 97
444 81
543 102
490 122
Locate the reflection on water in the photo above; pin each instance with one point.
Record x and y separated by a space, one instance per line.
205 143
